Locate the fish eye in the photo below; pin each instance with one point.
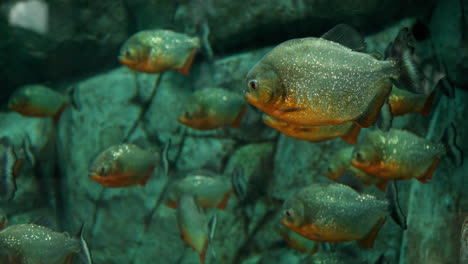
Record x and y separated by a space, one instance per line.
187 114
329 169
102 171
288 213
128 53
253 84
359 156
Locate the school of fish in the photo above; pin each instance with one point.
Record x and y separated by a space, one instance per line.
310 89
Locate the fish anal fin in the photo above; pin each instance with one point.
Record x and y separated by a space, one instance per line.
369 116
368 240
382 185
351 136
223 204
428 175
147 176
237 121
346 36
427 105
185 70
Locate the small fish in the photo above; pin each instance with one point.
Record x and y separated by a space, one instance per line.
193 225
38 101
123 165
10 166
3 219
325 81
156 51
348 131
337 213
397 155
34 244
341 163
212 108
404 102
211 191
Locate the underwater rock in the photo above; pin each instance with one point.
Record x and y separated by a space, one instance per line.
449 34
33 140
77 37
439 215
236 25
115 217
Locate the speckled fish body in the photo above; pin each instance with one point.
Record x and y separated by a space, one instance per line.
341 163
404 102
123 165
333 213
348 131
193 225
38 101
212 108
210 191
156 51
314 81
397 154
34 244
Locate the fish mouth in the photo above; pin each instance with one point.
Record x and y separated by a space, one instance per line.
125 61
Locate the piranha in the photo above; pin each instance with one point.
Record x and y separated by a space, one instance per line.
193 225
403 102
34 244
336 213
210 191
348 131
341 163
324 81
156 51
123 165
38 101
3 219
397 155
10 167
212 108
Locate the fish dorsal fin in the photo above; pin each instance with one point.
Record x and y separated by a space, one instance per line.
346 36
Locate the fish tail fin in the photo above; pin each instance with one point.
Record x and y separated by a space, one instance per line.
453 150
394 206
402 53
85 252
351 136
237 121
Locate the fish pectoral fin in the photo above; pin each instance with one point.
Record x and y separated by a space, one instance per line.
368 240
346 36
351 136
291 109
368 117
